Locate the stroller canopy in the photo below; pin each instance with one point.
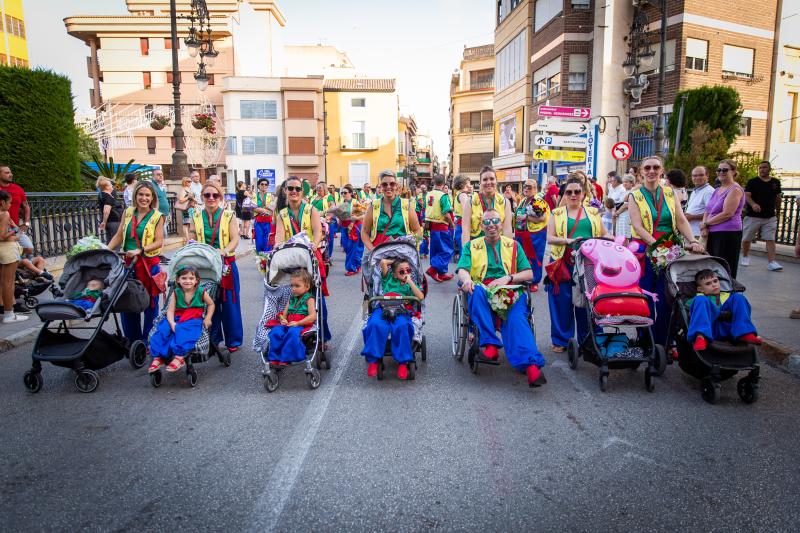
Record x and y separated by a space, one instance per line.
405 247
287 257
92 264
202 257
681 273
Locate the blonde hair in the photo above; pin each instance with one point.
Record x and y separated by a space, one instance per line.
149 186
186 181
102 181
581 176
217 187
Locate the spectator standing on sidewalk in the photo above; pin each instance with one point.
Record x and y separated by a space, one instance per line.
161 191
110 208
616 191
796 312
9 259
197 189
127 193
552 192
722 223
763 197
696 206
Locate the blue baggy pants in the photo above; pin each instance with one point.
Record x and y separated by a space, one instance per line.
179 342
703 318
262 230
377 332
227 317
441 250
286 345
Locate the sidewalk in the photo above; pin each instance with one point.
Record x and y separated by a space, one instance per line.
20 332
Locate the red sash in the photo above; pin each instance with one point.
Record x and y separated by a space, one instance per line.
188 313
142 270
438 226
291 317
227 279
527 245
264 218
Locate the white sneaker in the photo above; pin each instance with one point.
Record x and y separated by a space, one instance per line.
13 317
774 266
744 261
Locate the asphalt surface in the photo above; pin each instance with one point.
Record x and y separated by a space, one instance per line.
448 451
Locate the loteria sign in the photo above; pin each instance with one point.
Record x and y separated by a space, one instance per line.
565 112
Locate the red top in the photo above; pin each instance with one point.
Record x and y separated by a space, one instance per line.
551 195
598 191
17 199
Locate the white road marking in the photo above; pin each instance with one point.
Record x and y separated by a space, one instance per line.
270 504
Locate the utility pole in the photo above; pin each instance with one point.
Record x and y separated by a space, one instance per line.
179 168
662 80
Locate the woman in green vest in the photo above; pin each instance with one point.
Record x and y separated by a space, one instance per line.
567 224
487 198
218 227
654 213
263 211
389 216
141 236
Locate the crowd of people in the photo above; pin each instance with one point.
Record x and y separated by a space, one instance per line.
497 239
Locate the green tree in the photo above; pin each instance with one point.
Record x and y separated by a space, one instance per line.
37 129
88 150
113 171
719 108
705 147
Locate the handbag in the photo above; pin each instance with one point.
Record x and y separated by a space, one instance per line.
184 205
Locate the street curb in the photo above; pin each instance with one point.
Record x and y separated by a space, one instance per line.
778 354
18 339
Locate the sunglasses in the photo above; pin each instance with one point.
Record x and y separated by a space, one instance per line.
388 184
490 221
346 192
723 170
211 195
293 188
404 271
572 192
648 168
528 187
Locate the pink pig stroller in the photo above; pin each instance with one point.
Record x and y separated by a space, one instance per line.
606 283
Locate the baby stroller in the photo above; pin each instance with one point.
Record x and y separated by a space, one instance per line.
722 360
208 263
28 286
87 348
284 259
606 345
403 248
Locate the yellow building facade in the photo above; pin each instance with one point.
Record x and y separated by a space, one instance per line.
13 38
361 122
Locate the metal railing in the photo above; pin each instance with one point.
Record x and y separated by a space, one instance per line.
60 219
789 218
481 129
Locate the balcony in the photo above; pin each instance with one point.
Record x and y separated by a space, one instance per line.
358 142
302 160
481 85
423 160
485 129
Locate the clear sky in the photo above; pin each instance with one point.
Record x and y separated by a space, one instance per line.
418 42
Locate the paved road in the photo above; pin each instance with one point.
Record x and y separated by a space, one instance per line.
449 451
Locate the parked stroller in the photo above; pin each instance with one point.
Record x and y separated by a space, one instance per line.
284 259
87 348
406 249
606 278
723 359
208 263
28 286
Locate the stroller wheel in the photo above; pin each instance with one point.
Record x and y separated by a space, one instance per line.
271 382
30 302
225 358
603 382
472 358
747 389
156 378
424 349
572 354
661 360
137 355
649 383
191 377
412 370
87 380
313 378
710 390
33 381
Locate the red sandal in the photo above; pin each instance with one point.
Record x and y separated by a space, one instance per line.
176 364
156 365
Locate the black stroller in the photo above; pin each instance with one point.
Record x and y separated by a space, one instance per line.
87 347
208 264
28 286
722 360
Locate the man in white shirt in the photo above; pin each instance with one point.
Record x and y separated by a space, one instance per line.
696 207
616 191
196 189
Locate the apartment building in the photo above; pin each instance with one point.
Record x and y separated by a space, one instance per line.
424 167
13 39
471 115
406 148
361 121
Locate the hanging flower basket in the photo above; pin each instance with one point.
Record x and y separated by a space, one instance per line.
203 121
159 122
642 128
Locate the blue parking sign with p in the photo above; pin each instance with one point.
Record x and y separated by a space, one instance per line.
266 174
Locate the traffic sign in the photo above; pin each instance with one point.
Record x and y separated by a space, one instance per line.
557 125
559 140
621 151
567 112
560 155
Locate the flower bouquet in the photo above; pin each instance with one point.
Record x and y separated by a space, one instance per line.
85 244
502 299
666 249
597 204
262 262
538 207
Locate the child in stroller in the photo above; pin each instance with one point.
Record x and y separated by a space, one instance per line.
709 304
193 307
86 298
392 318
285 336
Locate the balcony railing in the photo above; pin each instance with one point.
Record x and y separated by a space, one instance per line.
483 129
478 85
359 142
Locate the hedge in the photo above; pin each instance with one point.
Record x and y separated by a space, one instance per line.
718 107
37 130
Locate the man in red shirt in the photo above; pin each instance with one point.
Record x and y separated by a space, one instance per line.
19 206
598 190
551 194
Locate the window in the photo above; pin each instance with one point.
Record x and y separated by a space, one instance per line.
210 79
511 61
259 145
546 10
696 54
358 102
168 43
359 134
255 109
578 67
170 77
230 146
580 4
481 79
547 80
474 162
669 60
146 80
144 45
302 145
151 145
505 7
300 109
737 61
793 108
744 126
476 121
15 26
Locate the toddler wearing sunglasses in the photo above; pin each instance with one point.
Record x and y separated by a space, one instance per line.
398 281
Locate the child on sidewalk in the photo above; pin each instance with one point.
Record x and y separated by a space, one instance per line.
285 337
193 309
704 323
86 298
